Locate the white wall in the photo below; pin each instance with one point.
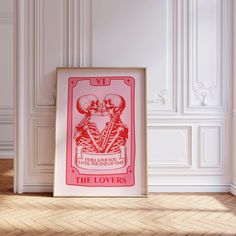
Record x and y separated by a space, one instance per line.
6 78
185 46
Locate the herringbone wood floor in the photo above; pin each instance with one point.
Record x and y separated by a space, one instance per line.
159 214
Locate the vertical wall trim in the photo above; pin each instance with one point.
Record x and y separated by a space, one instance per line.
44 96
216 90
74 37
19 98
85 33
81 24
72 23
75 32
179 53
162 103
69 31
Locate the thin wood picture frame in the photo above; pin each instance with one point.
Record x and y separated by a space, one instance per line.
101 140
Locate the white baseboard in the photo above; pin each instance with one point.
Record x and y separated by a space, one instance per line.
152 188
38 188
6 154
189 188
233 189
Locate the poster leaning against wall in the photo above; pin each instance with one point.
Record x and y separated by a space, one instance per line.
101 132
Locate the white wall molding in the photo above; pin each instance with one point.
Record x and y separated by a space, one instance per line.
184 160
40 160
38 188
151 188
6 145
80 33
7 154
6 109
178 171
189 188
72 33
204 93
6 149
43 162
44 136
160 98
6 116
6 18
197 165
6 136
209 158
42 74
85 32
153 121
165 100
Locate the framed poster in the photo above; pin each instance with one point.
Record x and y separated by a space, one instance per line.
101 132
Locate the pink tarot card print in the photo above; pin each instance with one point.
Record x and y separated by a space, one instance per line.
101 131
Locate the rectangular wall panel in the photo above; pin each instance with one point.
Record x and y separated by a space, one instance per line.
123 34
169 146
6 65
45 145
6 78
50 47
206 50
6 139
6 132
39 161
211 146
42 136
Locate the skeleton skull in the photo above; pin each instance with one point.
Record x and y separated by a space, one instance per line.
87 104
114 103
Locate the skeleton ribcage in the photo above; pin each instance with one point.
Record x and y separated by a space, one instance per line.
119 141
85 141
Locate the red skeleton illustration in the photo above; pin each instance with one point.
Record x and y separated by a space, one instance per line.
113 137
87 134
115 134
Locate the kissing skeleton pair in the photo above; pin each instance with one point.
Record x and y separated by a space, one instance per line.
112 105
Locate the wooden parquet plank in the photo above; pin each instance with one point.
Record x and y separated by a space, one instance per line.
160 214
